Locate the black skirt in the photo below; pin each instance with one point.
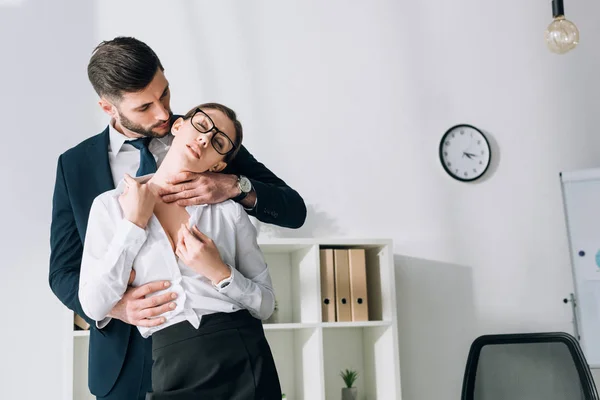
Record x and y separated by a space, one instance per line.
227 357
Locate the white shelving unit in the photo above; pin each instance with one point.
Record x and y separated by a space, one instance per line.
309 354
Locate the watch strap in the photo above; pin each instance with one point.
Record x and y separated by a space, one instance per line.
225 282
239 197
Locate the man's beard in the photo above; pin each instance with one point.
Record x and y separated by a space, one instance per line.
140 130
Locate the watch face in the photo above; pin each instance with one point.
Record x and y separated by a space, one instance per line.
465 152
245 184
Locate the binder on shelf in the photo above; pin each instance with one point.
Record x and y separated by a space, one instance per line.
342 286
358 285
81 323
327 286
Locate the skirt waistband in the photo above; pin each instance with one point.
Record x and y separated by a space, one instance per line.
209 323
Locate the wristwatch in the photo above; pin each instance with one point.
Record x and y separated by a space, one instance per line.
224 283
245 187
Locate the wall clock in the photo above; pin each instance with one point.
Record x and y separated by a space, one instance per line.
465 152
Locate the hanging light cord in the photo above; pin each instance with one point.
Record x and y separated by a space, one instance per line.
558 8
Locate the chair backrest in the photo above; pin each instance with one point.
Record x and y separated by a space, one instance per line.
528 366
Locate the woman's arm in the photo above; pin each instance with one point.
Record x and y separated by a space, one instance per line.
250 284
111 245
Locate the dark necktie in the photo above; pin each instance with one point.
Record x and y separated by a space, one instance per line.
147 162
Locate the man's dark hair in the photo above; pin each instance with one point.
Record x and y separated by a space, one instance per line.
239 132
122 65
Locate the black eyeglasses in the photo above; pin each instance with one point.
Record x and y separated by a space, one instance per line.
220 141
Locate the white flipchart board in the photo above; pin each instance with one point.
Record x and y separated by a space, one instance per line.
581 199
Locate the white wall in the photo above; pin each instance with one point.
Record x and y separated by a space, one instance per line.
347 101
45 107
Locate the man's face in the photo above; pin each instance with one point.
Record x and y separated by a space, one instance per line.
145 113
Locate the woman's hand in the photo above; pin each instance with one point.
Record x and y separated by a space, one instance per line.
200 253
137 202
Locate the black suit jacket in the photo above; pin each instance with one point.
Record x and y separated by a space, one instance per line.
83 173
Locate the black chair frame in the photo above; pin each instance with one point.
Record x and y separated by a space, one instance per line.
586 379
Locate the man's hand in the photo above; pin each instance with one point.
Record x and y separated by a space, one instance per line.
200 253
187 188
137 202
135 309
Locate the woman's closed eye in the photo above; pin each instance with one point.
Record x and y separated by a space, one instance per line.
220 142
202 125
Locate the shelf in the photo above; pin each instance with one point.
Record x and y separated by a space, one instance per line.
283 327
285 244
295 282
80 368
292 326
362 324
371 351
297 355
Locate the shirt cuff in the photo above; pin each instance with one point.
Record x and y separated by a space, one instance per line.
254 206
238 286
102 324
130 234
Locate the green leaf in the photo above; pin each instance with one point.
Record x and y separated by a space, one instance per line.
349 377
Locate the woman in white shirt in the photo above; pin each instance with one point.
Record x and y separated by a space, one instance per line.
211 344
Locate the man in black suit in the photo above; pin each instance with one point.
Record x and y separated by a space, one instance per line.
133 90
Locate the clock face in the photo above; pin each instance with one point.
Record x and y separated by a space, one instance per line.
245 185
465 152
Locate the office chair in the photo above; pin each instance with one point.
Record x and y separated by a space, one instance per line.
528 366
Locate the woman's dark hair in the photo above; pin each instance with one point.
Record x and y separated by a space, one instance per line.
122 65
239 133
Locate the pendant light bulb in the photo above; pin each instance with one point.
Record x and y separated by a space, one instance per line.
562 35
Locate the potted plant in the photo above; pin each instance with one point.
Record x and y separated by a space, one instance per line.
349 392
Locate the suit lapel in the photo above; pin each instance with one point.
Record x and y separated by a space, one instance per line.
98 164
90 177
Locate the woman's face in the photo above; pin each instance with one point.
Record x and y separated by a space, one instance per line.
195 150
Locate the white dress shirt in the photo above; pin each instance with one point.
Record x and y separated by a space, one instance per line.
113 246
125 159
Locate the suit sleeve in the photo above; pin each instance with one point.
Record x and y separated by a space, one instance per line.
66 248
277 203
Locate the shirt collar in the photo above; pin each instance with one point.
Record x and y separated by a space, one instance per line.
139 179
117 139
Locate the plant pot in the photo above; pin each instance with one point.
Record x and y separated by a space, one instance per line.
349 393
